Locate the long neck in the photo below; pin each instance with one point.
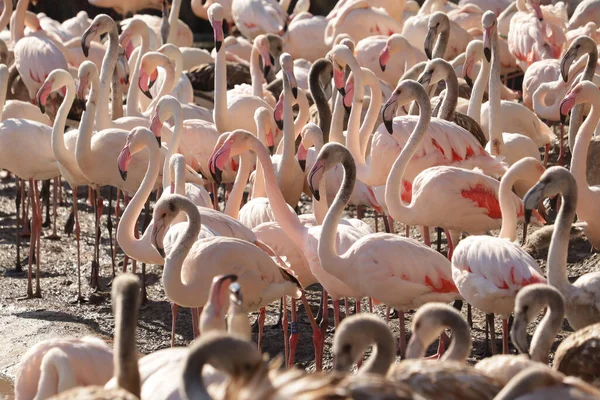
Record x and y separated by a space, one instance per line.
461 345
539 97
165 88
451 99
6 14
508 230
173 145
559 244
383 352
56 374
125 351
330 259
83 147
441 44
220 111
133 93
174 21
316 89
117 98
478 91
495 117
546 332
289 138
138 248
336 134
232 207
283 215
179 177
580 153
258 189
62 154
109 62
577 111
3 88
19 29
255 73
174 260
393 199
366 129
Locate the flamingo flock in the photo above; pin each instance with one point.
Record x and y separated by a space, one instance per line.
418 114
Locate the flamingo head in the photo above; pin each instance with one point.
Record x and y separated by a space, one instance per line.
287 66
227 147
307 135
338 57
278 112
149 71
264 127
349 94
123 67
433 73
537 9
583 92
165 211
264 47
552 182
404 93
472 56
580 46
489 22
235 294
55 81
87 74
330 155
438 23
101 24
394 44
215 16
218 295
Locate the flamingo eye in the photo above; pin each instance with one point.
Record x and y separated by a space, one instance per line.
347 348
164 215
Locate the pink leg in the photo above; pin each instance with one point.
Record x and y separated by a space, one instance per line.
387 314
38 237
546 155
402 340
561 153
371 305
336 312
426 235
450 244
261 326
294 335
318 337
407 230
31 242
357 300
215 190
391 222
284 326
174 309
195 323
346 306
504 336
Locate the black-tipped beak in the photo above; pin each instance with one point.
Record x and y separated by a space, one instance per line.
487 52
42 108
348 108
295 92
150 84
123 174
218 44
147 93
425 80
126 79
428 45
389 125
316 194
342 91
279 123
216 174
469 81
84 46
528 214
302 165
272 150
382 66
158 139
266 71
563 118
565 64
161 251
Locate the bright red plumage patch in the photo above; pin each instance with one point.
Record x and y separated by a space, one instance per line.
447 286
484 199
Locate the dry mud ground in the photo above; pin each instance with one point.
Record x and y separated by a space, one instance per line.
26 322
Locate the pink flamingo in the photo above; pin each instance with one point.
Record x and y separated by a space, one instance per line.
256 17
585 92
35 55
380 265
55 365
125 7
392 7
531 38
489 271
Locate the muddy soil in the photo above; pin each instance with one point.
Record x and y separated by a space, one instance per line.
25 322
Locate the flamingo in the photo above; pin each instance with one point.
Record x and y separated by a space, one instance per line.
255 17
126 7
35 55
305 37
531 38
200 8
585 92
489 271
392 7
55 365
586 11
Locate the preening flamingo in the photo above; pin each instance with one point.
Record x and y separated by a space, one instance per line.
582 297
255 17
585 92
392 7
305 37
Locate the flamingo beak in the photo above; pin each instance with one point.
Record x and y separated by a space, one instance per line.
314 178
338 79
302 157
565 106
389 112
156 127
429 39
425 79
278 113
143 84
467 71
566 61
154 239
384 58
487 44
42 96
218 33
123 162
218 161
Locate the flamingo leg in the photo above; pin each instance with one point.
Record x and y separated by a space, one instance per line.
360 211
18 198
387 314
95 262
284 326
450 244
546 155
78 240
504 336
31 246
215 190
357 305
336 312
294 336
320 312
261 326
402 339
24 207
370 305
117 219
174 309
346 306
318 338
490 319
425 234
406 230
469 316
561 153
195 323
38 235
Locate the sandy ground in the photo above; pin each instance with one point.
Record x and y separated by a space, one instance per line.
26 322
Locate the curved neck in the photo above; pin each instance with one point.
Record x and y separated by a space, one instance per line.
179 177
174 21
508 230
109 63
283 215
546 332
559 244
366 129
3 88
478 91
383 353
62 154
330 259
19 30
256 73
539 97
125 358
174 260
232 207
83 147
577 111
133 93
318 94
138 248
440 44
451 99
220 110
580 153
258 189
173 145
461 345
336 134
495 116
285 171
6 14
396 207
